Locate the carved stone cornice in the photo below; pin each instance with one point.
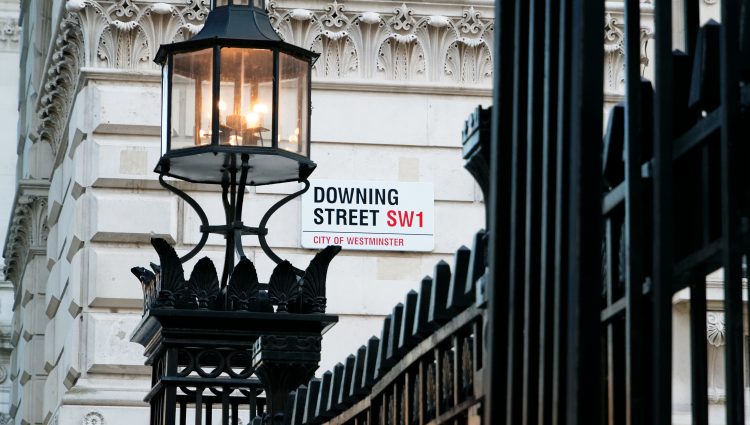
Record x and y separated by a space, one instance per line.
59 85
27 232
400 45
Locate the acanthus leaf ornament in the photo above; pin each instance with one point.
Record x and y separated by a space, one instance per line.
204 284
27 235
314 280
715 329
283 288
169 275
243 287
614 52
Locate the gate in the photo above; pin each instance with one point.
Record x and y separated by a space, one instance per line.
589 236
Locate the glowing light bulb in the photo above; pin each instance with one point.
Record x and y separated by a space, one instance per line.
222 106
260 108
252 119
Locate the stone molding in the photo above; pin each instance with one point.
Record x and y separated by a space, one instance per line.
28 230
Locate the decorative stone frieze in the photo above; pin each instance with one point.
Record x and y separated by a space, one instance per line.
126 34
27 234
398 46
614 51
60 85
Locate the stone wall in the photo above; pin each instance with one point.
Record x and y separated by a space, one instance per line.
10 37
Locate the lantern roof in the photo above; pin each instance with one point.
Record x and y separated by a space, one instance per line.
236 26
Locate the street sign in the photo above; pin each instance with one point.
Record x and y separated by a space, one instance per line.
363 215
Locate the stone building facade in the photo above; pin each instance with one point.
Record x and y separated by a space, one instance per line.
391 90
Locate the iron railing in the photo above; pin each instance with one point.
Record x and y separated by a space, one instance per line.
426 367
588 242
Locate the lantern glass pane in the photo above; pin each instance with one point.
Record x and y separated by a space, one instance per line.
246 97
191 99
164 108
294 104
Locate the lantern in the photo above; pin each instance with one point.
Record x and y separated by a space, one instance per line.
235 92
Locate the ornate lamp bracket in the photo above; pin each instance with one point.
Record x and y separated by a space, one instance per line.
233 194
264 220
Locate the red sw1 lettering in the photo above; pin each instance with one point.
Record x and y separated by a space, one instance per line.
404 218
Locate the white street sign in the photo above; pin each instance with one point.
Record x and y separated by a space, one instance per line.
382 216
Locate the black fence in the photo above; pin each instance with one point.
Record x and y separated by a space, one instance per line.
589 242
426 367
589 236
197 385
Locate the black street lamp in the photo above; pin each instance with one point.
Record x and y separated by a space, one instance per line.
235 113
235 94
